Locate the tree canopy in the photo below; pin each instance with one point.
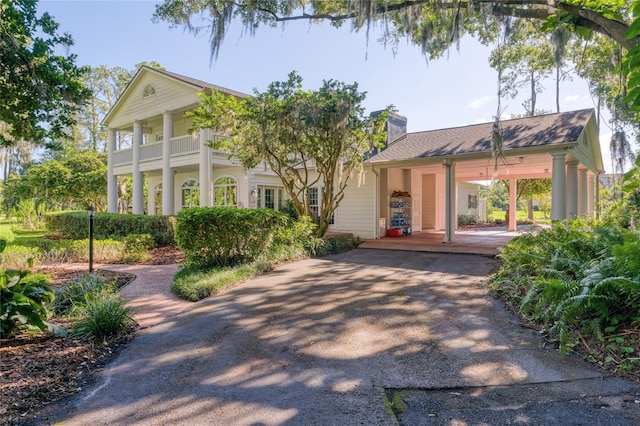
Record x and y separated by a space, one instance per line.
433 25
39 87
310 139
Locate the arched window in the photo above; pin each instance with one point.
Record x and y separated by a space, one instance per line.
158 198
190 194
149 90
225 192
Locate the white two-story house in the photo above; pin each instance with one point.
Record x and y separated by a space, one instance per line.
172 168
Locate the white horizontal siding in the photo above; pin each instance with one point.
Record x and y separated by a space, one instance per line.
356 213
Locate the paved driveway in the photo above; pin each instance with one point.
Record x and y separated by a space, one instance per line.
325 341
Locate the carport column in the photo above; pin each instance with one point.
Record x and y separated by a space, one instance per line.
205 168
582 192
572 190
559 187
167 173
137 178
450 200
590 195
112 180
513 191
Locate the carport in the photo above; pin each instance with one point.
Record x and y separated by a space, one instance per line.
429 165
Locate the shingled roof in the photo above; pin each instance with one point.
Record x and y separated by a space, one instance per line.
540 131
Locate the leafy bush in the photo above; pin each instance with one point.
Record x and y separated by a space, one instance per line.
7 234
17 257
75 226
577 277
468 219
23 300
336 244
213 236
138 242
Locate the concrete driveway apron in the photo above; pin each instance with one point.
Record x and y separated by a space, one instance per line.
326 341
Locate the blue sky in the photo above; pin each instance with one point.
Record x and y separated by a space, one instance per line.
456 90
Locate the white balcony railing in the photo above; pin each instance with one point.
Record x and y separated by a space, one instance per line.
151 151
124 156
180 145
186 144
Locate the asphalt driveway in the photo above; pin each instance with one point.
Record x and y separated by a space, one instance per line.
327 341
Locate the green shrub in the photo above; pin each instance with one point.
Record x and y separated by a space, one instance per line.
104 315
23 300
295 240
138 242
213 236
75 226
336 244
468 219
7 234
577 277
17 257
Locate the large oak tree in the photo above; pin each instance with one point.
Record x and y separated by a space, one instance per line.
40 88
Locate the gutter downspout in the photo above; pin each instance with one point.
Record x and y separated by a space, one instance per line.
376 201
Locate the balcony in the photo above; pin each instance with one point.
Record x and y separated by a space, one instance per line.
180 146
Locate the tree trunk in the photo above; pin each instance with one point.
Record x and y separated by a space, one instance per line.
530 209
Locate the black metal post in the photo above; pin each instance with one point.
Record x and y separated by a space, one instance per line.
91 211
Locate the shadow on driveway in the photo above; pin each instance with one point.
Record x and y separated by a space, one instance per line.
326 341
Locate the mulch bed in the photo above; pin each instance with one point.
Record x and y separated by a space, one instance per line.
37 369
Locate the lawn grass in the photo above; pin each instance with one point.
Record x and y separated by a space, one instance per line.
521 216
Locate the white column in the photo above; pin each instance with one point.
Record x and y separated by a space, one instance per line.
513 188
137 178
205 169
450 200
591 195
559 187
112 180
572 190
167 173
582 192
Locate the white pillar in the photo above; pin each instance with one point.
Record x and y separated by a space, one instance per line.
591 195
137 178
167 173
582 192
205 169
513 188
450 200
559 187
112 180
572 190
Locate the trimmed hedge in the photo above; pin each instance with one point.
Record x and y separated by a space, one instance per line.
212 236
75 226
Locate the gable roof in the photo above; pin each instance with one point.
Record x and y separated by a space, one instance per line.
192 82
560 129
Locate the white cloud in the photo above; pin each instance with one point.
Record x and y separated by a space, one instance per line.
481 102
572 98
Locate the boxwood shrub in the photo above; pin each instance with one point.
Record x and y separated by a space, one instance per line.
75 226
226 236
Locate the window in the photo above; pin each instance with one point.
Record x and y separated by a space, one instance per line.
314 202
149 90
190 194
270 197
225 192
472 201
315 194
